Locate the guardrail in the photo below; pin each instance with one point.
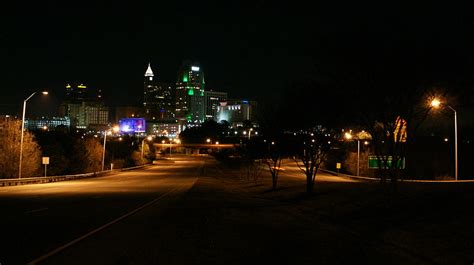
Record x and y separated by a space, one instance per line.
401 180
39 180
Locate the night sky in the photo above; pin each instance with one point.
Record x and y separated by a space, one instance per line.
255 50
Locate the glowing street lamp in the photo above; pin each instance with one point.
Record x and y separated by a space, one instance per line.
436 103
349 137
115 129
208 140
149 138
23 129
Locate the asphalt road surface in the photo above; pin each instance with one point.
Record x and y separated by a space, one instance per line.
195 211
39 220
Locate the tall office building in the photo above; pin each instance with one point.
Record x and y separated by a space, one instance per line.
150 93
190 94
166 102
157 98
212 101
85 107
237 112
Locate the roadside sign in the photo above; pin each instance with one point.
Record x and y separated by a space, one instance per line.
45 160
338 165
374 163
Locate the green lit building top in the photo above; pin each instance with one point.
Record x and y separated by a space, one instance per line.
190 87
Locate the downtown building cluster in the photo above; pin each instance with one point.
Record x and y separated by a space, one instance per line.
167 107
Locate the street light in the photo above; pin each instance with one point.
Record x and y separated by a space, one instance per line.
348 136
149 138
115 129
23 129
171 145
436 103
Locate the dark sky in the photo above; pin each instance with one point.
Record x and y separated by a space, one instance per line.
251 50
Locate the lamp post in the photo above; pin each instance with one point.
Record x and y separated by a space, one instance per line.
23 129
348 136
436 103
149 138
171 145
115 129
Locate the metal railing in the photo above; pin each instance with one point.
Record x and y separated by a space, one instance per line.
39 180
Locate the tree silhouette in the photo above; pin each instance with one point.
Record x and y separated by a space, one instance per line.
10 135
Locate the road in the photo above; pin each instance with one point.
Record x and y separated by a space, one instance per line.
38 219
196 211
291 169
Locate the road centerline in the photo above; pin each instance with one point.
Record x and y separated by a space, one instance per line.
71 243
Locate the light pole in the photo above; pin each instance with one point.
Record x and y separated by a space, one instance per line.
348 136
171 145
115 129
149 138
23 129
436 103
358 156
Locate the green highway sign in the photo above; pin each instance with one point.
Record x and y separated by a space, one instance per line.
374 163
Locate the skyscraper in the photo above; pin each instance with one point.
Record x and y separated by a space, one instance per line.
85 107
157 98
190 94
150 93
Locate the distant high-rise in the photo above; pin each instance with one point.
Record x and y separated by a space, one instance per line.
237 111
150 93
190 105
212 101
78 92
85 107
157 98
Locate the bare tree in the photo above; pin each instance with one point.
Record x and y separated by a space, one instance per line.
314 150
392 124
273 161
255 169
10 134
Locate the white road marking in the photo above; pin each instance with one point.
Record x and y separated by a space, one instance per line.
61 248
36 210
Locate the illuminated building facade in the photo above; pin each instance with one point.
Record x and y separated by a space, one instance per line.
190 105
237 111
47 123
166 103
212 101
165 129
157 98
84 107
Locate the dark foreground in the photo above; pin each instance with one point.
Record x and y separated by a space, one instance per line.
195 211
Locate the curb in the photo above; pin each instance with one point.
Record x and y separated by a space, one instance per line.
401 180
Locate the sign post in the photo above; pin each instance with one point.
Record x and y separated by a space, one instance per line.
338 166
45 163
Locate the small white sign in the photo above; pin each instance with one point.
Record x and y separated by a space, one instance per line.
45 160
